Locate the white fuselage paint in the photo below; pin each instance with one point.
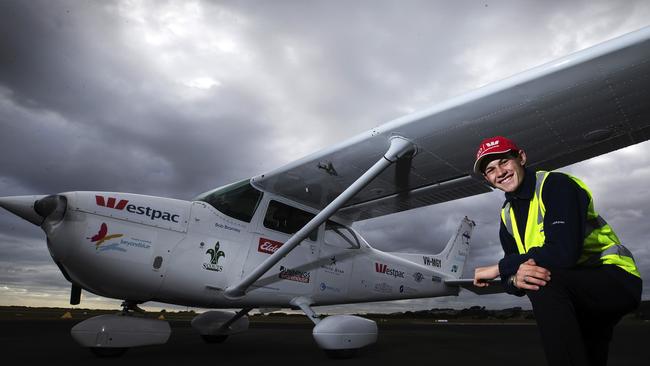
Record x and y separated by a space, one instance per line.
187 253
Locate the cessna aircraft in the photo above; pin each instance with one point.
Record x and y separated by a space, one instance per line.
283 239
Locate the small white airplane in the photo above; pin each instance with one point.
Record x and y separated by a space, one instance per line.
283 239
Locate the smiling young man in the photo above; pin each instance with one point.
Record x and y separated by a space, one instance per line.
560 253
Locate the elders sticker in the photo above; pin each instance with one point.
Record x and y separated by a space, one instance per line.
293 275
215 254
385 269
268 246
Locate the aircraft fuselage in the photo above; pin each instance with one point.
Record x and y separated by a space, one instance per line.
143 248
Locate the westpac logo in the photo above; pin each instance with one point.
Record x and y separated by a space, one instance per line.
151 213
383 268
110 202
486 146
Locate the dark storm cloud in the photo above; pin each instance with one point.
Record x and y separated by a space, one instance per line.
176 98
410 53
89 112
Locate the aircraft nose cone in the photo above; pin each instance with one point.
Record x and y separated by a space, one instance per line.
23 206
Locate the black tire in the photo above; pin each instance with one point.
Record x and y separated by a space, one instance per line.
340 354
108 352
207 338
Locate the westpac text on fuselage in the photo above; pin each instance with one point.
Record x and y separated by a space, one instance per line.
151 213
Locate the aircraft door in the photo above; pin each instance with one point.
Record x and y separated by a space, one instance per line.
337 253
294 274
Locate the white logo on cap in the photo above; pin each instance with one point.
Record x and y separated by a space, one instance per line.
492 143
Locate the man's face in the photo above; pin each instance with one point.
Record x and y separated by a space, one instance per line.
506 172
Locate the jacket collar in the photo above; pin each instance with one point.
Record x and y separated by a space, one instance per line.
526 190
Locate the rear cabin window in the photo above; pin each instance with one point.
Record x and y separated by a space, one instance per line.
238 200
340 236
287 219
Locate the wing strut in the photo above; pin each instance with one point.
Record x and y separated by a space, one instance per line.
399 147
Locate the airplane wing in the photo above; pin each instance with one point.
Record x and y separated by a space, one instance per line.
580 106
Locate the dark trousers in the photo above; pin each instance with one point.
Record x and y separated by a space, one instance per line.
577 310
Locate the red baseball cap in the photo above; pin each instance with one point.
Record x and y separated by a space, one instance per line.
491 146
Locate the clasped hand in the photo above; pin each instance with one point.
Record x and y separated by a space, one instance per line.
529 276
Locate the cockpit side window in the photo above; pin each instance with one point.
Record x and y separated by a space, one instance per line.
340 236
287 219
238 200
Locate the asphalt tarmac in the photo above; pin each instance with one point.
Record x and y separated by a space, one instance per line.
41 342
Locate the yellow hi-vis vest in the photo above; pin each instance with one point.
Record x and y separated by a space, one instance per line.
601 245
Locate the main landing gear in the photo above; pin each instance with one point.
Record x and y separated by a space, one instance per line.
340 336
215 326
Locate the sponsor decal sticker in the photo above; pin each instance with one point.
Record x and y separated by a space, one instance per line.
418 277
383 288
407 290
268 246
103 241
102 236
215 254
331 267
431 261
325 287
466 236
226 227
385 269
454 268
293 275
153 214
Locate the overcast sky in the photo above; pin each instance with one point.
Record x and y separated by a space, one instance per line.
175 98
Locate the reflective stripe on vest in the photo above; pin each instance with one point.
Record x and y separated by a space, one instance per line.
601 245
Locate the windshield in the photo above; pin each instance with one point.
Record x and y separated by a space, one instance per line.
238 200
341 236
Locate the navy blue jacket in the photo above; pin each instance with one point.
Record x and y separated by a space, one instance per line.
564 225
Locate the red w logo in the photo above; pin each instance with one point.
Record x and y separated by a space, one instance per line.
380 267
110 203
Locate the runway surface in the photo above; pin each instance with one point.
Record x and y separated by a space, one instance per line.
41 342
